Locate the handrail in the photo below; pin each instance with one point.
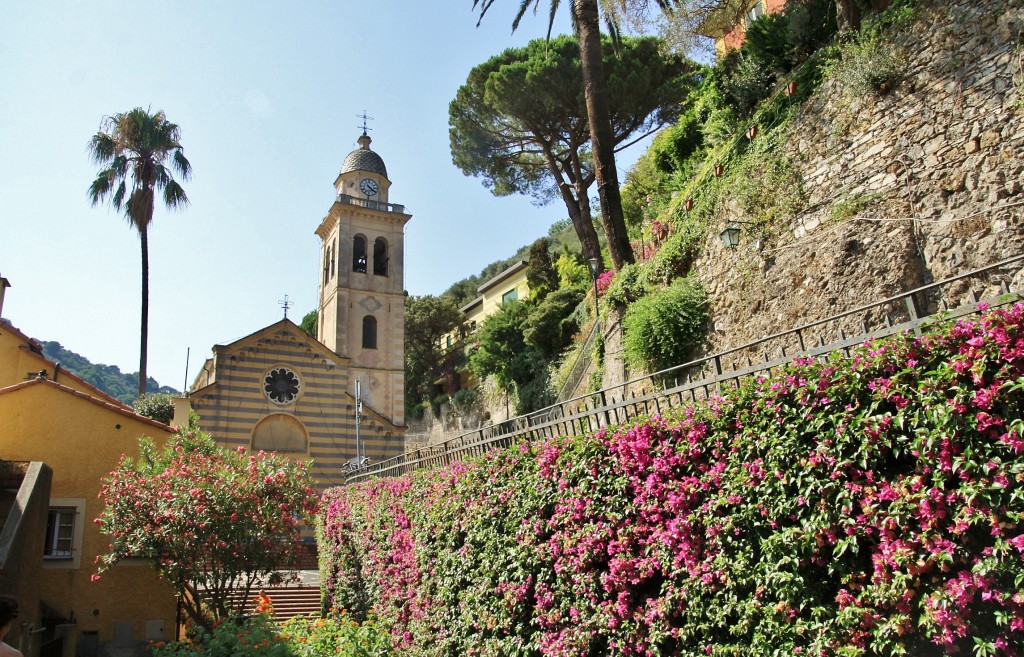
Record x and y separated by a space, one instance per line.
583 360
702 377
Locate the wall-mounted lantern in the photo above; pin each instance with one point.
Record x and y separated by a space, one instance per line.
731 234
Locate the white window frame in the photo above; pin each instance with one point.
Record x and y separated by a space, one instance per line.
74 507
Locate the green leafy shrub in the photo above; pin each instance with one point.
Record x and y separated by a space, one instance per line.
745 80
465 400
258 636
677 255
871 63
674 146
517 365
627 285
540 272
662 329
337 634
157 406
550 324
572 272
768 188
863 506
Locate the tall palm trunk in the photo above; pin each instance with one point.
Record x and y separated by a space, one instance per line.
144 331
588 33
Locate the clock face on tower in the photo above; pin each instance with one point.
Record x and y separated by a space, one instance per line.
368 186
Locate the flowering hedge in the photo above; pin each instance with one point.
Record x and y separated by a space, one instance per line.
868 505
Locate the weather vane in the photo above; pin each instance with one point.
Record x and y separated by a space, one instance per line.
365 118
286 304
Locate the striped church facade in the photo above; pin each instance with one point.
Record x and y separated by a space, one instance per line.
279 389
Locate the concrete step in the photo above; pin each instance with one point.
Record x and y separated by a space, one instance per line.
287 601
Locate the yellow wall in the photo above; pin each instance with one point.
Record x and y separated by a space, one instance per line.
83 440
493 295
489 302
17 360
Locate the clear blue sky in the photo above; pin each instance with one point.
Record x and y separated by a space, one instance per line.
267 96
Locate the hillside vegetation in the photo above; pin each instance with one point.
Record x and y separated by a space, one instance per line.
864 505
108 378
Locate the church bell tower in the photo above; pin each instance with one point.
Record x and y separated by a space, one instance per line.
362 302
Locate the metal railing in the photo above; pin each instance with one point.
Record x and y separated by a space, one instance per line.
579 366
711 375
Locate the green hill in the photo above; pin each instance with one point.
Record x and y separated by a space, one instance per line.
108 378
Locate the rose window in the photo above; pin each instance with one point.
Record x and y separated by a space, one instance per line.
281 385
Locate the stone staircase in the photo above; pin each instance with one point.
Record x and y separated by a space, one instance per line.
288 601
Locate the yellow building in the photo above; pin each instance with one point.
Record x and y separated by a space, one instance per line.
510 285
81 433
280 389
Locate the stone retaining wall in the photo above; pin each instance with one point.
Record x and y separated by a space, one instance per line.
939 157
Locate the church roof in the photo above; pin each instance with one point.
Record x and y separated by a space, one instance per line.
363 159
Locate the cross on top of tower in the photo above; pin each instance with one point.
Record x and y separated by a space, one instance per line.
365 120
286 304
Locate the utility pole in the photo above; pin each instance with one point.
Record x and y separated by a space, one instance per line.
359 418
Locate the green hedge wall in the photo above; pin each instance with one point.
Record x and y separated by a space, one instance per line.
868 505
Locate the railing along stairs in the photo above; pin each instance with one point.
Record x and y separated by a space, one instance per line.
949 298
583 360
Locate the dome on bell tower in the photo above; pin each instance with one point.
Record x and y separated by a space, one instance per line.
363 159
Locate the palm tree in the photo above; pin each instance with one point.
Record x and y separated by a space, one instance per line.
133 148
586 24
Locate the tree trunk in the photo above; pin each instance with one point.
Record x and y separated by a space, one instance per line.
144 330
576 202
593 250
588 34
847 16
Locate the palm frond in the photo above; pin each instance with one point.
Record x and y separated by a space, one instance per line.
118 200
551 17
174 196
100 188
102 148
181 164
484 6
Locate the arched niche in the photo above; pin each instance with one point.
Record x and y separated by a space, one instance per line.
280 433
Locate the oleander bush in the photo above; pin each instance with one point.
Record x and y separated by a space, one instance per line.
868 505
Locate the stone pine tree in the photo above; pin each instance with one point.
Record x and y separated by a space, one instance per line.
586 24
138 150
521 124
